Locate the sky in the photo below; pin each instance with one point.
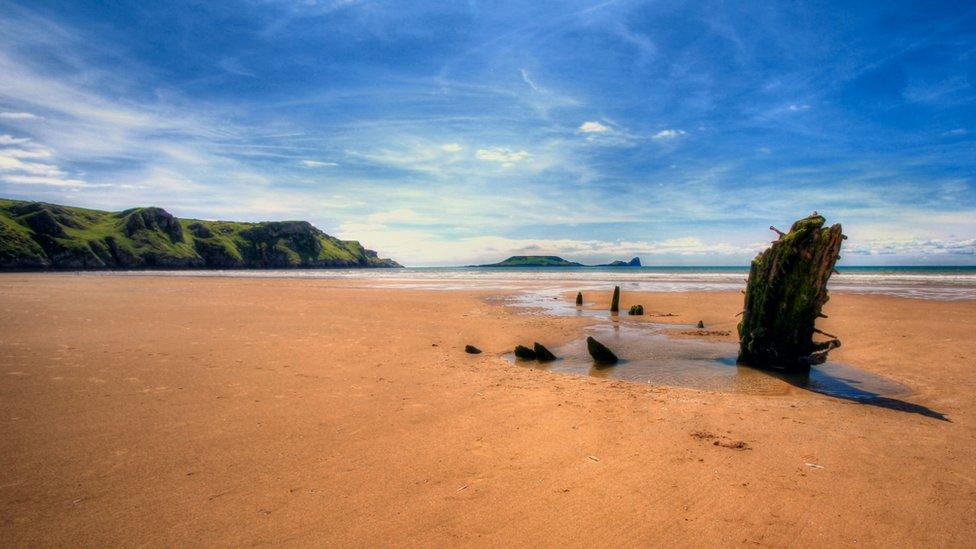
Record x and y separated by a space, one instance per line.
450 133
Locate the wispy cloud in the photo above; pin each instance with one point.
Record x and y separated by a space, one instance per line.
593 127
668 134
25 163
528 80
506 157
17 116
318 164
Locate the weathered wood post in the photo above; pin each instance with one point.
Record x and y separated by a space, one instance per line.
579 299
786 291
615 302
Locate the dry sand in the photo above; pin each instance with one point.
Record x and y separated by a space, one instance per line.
183 411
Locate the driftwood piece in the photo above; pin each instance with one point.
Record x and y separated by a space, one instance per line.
786 291
615 302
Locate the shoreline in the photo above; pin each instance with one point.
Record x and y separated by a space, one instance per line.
169 410
936 283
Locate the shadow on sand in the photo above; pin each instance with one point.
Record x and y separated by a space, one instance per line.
831 381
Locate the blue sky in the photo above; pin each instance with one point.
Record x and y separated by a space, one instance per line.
459 132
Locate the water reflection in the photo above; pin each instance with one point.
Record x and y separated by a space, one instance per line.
649 356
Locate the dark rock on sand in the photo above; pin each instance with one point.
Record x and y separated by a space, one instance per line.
637 310
701 325
599 352
543 354
472 350
524 353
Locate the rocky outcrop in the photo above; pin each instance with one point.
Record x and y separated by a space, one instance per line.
785 294
152 220
635 262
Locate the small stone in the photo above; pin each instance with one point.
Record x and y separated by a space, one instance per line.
524 353
543 354
701 325
599 352
637 310
472 350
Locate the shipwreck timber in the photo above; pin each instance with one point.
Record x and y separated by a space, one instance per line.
785 293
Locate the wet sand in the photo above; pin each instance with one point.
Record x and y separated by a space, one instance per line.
175 411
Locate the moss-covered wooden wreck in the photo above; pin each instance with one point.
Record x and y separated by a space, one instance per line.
785 295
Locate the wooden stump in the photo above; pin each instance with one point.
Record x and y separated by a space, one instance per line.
786 291
615 302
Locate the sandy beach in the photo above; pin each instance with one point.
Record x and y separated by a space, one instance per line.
212 411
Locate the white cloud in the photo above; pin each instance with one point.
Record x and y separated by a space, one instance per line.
955 133
798 107
451 147
668 134
17 116
11 140
400 215
24 163
913 246
528 80
46 180
506 157
317 164
593 127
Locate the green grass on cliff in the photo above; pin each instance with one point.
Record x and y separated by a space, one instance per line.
35 235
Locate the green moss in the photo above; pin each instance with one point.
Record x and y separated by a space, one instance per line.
785 294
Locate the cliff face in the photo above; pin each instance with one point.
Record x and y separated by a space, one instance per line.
36 235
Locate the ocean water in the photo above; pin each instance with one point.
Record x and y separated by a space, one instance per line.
938 283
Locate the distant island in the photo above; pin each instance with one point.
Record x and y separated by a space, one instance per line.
634 262
554 261
38 236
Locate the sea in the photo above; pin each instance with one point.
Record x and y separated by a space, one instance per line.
936 283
